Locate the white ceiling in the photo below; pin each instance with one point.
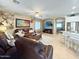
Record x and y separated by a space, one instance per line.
46 8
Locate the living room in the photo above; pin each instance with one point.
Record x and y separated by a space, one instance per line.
39 29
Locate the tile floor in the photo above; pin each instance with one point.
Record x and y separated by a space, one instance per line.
60 50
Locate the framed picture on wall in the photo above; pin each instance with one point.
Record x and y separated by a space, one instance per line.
22 23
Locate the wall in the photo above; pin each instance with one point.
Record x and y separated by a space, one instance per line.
7 19
33 21
42 24
13 20
23 17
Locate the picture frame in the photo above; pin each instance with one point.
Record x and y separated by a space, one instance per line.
22 23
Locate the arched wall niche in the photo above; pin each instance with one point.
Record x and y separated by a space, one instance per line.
48 26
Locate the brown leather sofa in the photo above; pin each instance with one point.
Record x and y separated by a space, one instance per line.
24 49
6 51
36 36
28 49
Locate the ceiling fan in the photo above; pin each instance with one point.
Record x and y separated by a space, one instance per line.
16 1
38 14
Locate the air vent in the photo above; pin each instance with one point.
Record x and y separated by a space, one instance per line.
71 15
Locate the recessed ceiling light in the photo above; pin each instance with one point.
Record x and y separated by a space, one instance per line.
74 7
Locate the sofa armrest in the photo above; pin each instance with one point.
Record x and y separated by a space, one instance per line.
49 51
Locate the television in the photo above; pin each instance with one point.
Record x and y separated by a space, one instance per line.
22 23
48 25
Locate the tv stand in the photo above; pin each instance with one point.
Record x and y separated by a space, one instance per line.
50 31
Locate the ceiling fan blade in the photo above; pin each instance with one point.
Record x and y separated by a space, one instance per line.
16 1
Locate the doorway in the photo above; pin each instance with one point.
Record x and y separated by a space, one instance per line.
60 25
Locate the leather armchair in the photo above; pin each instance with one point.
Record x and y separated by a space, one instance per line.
26 49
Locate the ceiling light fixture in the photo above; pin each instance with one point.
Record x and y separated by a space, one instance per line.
37 14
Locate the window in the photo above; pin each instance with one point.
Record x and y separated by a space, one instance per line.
77 27
68 26
59 25
37 25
